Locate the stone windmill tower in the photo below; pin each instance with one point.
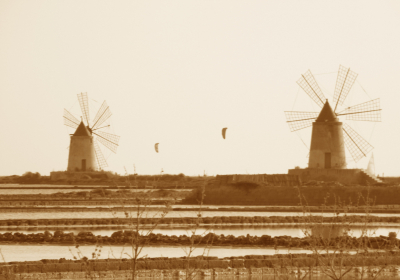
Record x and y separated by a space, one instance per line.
329 135
84 151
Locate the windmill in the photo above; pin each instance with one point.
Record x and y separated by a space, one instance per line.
329 135
84 151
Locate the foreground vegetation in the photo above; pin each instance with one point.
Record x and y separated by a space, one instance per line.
289 262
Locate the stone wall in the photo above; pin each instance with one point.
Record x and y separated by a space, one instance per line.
269 179
346 176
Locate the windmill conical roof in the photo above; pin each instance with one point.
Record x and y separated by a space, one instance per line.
326 114
82 130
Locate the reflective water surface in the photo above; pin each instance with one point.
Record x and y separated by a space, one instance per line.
13 253
38 252
51 191
36 186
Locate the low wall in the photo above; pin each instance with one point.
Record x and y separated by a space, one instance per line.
346 176
206 221
273 179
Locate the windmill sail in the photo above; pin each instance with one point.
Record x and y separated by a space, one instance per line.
308 83
357 146
101 161
84 104
109 140
367 111
102 115
371 165
300 120
344 82
70 120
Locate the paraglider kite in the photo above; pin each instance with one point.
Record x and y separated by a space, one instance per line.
156 147
224 132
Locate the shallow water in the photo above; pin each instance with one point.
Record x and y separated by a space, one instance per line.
67 186
153 205
39 191
38 252
51 191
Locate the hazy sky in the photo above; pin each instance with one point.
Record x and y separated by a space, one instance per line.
177 72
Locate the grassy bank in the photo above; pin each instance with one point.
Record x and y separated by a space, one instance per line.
330 193
94 194
110 179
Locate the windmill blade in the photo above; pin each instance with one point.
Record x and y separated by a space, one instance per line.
83 102
99 156
300 120
344 82
357 146
70 120
109 140
102 115
308 83
368 111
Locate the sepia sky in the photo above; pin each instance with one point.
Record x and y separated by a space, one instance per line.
177 72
